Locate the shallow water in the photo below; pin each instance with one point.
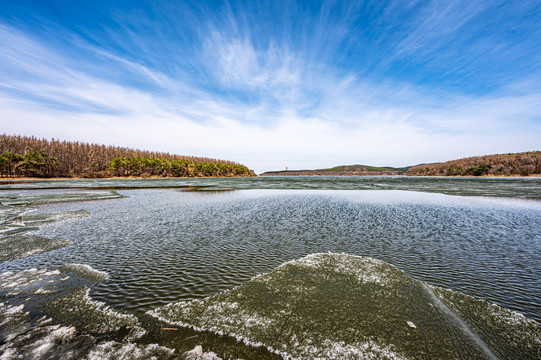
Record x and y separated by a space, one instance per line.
169 244
525 187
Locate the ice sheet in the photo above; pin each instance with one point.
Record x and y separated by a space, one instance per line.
338 306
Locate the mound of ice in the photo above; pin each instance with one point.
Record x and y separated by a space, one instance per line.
48 198
29 282
337 306
85 271
38 339
197 353
75 307
24 338
16 244
79 309
40 219
113 350
21 246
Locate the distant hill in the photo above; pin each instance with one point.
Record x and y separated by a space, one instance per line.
342 170
365 168
516 164
512 164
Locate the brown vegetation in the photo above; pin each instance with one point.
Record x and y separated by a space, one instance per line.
328 173
519 164
31 156
342 170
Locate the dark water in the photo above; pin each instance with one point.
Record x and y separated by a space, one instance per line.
171 243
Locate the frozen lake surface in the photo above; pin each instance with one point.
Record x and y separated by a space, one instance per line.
161 242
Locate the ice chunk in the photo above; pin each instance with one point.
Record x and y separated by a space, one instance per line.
86 271
21 246
32 281
48 198
113 350
24 338
16 244
41 219
197 353
79 309
337 306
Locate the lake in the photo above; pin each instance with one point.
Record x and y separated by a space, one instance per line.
158 242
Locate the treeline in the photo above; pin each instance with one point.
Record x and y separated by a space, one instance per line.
521 164
34 157
149 166
34 164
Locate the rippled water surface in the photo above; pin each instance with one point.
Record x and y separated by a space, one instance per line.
139 245
164 245
526 187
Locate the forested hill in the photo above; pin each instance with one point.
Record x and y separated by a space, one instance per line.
518 164
22 156
342 170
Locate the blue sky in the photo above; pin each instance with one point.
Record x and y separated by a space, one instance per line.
270 84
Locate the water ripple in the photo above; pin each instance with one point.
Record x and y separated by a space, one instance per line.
161 246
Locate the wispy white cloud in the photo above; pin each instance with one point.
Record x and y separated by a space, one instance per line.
236 63
436 23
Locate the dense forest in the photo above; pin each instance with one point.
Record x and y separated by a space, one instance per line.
22 156
151 166
519 164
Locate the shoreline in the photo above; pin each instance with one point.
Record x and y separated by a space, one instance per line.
115 178
20 179
403 175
